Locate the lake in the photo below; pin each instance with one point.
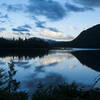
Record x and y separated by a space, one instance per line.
53 68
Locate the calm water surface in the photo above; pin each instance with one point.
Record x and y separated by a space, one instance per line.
82 67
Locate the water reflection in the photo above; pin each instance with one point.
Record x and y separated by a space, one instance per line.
89 58
50 79
7 80
52 69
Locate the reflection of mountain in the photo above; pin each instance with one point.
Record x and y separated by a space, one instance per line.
8 82
89 58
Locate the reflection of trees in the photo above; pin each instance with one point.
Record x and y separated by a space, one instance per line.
7 81
12 83
2 77
96 80
9 85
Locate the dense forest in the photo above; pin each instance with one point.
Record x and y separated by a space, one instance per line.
31 43
32 47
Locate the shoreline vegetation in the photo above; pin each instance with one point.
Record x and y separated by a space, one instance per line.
23 52
61 92
31 43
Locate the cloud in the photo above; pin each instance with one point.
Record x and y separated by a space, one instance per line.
40 24
74 8
13 7
73 28
20 29
52 34
52 29
3 16
27 26
28 34
52 10
53 58
8 34
2 21
2 29
88 3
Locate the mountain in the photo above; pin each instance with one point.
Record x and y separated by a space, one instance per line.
49 41
89 38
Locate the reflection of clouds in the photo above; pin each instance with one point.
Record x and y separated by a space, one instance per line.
71 66
52 69
64 67
20 62
52 58
15 58
1 63
51 79
41 68
48 60
6 59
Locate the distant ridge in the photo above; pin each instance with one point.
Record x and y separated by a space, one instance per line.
89 38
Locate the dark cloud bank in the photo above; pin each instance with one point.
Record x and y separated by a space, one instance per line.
88 3
2 29
3 16
41 24
74 8
24 28
48 8
13 7
52 9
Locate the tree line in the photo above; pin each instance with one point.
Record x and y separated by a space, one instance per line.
31 43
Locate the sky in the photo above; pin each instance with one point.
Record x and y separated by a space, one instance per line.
50 19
